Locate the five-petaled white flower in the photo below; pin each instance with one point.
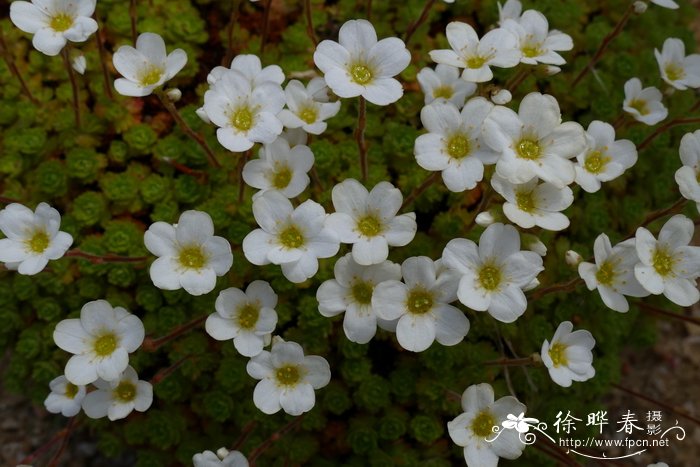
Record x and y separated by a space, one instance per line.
53 22
453 144
33 238
531 204
308 107
474 429
65 397
351 293
359 65
368 220
498 47
644 104
101 340
688 176
280 168
568 357
444 84
292 238
189 255
494 273
421 305
669 265
605 158
512 9
287 378
222 458
147 66
534 141
246 317
613 273
536 42
677 69
249 65
118 398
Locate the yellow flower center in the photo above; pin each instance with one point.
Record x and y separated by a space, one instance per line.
663 262
557 352
308 114
674 72
482 425
605 274
288 375
525 201
362 292
242 119
61 22
443 91
490 277
281 177
640 106
458 147
360 74
125 391
291 238
528 149
530 51
150 76
419 301
248 316
476 62
595 162
192 257
39 242
71 390
105 345
369 226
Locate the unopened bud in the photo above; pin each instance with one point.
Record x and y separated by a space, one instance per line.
221 453
640 7
485 218
532 285
533 243
174 94
79 63
501 97
573 259
201 113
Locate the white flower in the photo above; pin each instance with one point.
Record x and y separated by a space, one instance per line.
677 69
351 292
368 220
444 84
147 66
512 9
292 238
189 255
605 158
666 4
644 104
53 22
33 238
536 42
116 399
498 47
210 459
613 273
473 429
101 340
569 358
249 317
245 113
531 204
421 305
668 265
280 168
687 176
359 65
65 397
534 142
453 144
288 378
249 65
494 273
308 107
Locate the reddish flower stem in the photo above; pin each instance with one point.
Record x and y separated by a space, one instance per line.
132 15
309 23
658 403
659 311
99 38
235 11
560 287
265 26
420 189
13 68
273 437
675 122
98 259
360 137
74 86
151 345
419 22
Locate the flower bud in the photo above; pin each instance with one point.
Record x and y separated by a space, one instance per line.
501 96
79 63
640 7
532 285
484 219
573 259
533 243
174 94
201 113
221 453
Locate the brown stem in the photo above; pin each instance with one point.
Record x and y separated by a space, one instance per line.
98 259
658 403
164 373
6 200
13 68
99 38
420 189
517 79
658 214
74 86
369 10
483 204
619 121
245 433
241 165
659 311
675 122
560 287
273 437
151 345
419 22
317 179
199 139
604 45
511 362
132 15
266 26
309 22
69 429
65 432
235 11
360 136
